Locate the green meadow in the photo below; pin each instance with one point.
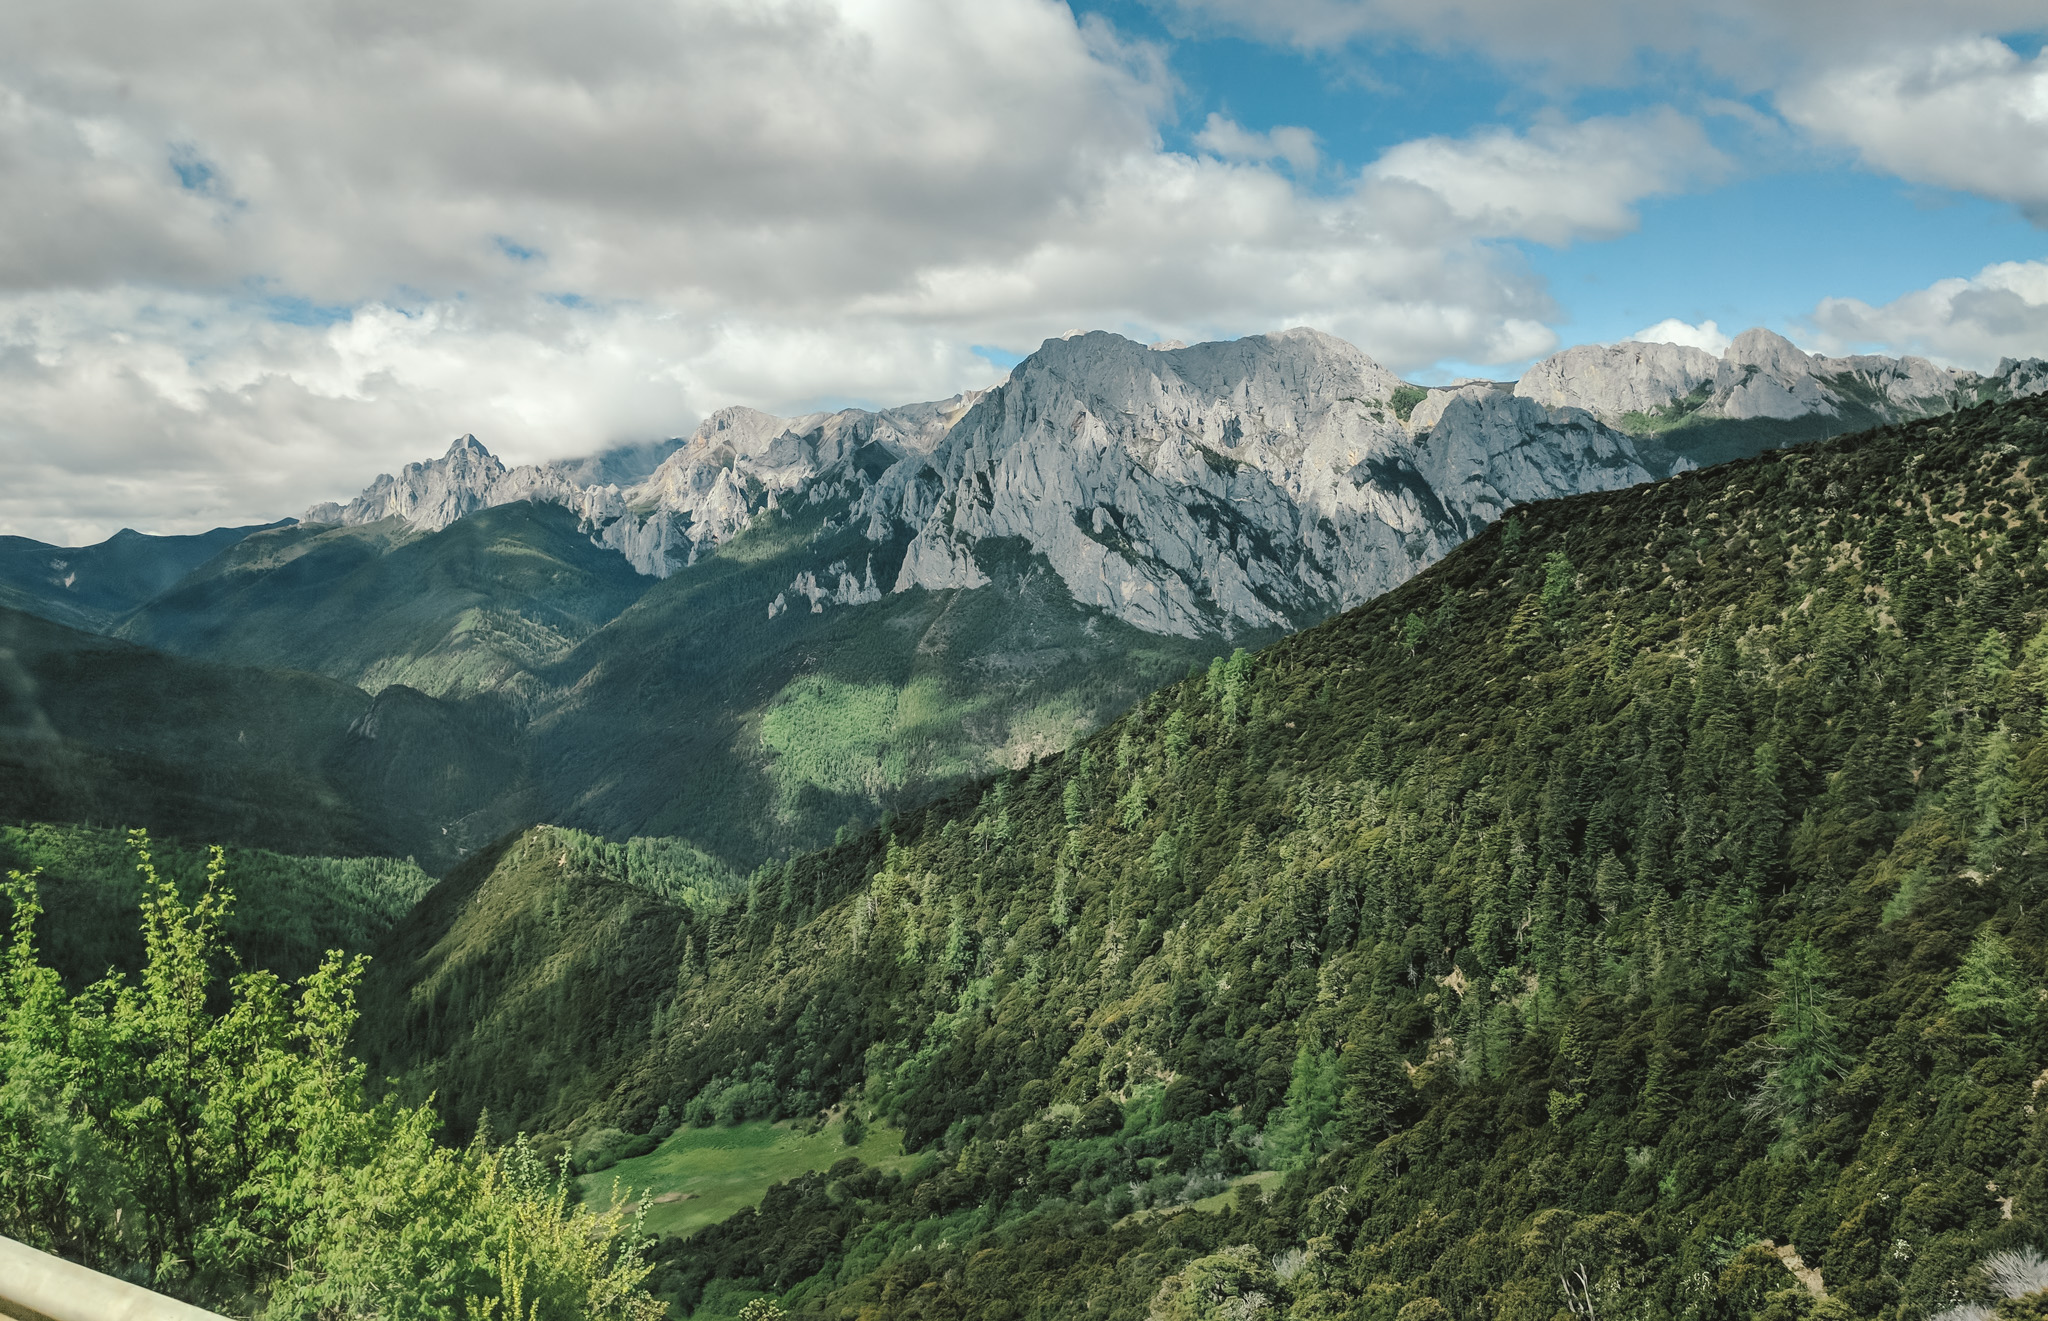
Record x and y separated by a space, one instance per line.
719 1170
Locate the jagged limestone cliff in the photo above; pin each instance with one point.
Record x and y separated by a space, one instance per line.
1200 491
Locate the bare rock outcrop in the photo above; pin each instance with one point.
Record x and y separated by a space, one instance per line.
1257 483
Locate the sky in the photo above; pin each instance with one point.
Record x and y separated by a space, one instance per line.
252 254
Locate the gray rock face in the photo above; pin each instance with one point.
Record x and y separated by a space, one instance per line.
1761 376
427 495
1260 483
469 477
1611 381
2023 378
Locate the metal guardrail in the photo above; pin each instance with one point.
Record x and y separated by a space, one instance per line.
35 1286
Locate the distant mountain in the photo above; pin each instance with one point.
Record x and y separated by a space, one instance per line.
469 478
101 731
782 627
1261 483
1763 392
93 586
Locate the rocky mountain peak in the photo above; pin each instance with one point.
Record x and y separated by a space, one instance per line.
1263 482
1762 377
1769 350
429 495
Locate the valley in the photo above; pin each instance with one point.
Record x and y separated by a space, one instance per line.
1027 862
780 629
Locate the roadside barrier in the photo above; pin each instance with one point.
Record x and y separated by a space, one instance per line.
35 1286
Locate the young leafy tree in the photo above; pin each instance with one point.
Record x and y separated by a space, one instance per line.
222 1148
59 1185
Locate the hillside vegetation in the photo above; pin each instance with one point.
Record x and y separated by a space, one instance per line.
1651 885
699 1176
102 732
210 1136
290 910
475 608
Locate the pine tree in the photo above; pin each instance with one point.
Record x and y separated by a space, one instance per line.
1990 993
1805 1040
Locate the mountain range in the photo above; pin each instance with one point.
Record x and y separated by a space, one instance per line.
1653 930
1263 482
782 627
992 904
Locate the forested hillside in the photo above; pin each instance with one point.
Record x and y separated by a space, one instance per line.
1652 885
92 587
103 732
476 608
291 910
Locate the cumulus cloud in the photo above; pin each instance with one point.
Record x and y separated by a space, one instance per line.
1968 114
2000 312
1226 138
794 152
1706 335
252 254
1560 181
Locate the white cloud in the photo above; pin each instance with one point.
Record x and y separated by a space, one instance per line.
251 254
174 412
1968 114
1706 335
1559 181
2000 312
1224 137
791 152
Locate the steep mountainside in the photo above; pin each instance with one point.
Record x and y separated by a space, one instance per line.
102 731
697 713
1640 913
92 587
480 607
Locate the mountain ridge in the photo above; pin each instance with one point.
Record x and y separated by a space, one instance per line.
1650 886
1167 459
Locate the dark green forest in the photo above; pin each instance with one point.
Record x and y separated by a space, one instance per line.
1644 898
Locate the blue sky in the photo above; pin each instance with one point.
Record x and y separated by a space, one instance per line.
1795 223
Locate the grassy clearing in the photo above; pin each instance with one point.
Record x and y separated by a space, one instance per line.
720 1170
1267 1180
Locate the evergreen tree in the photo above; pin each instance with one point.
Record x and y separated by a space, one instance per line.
1990 992
1805 1040
1302 1128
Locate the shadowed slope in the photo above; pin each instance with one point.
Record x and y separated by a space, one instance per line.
97 730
